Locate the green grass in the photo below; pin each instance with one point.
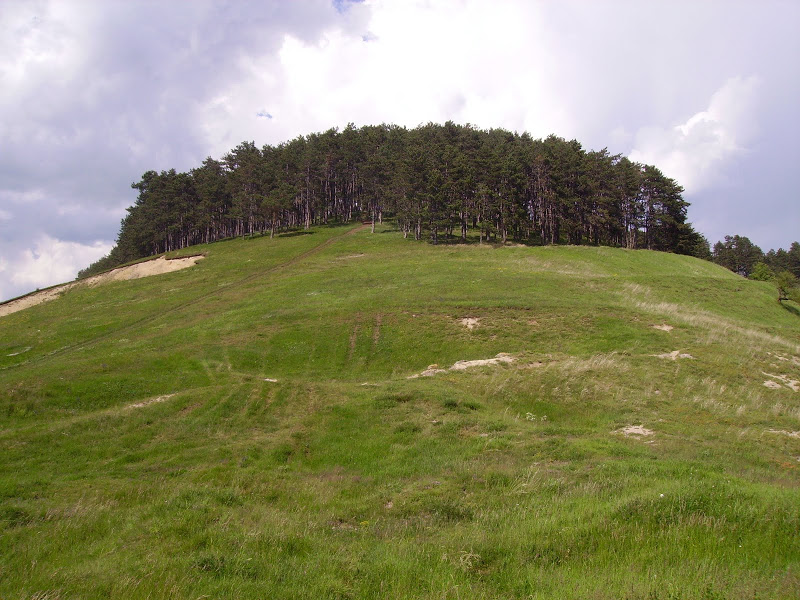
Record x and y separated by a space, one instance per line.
347 479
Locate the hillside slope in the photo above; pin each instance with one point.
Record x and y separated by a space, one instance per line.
270 423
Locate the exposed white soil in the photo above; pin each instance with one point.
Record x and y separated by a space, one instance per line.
792 384
270 380
784 358
468 364
674 355
663 327
33 299
143 269
794 434
462 365
349 256
773 385
23 351
635 431
470 322
155 400
158 266
431 370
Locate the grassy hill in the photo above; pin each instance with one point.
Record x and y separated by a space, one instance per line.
251 427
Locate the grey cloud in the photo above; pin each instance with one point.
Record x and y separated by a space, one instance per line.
124 87
115 93
628 66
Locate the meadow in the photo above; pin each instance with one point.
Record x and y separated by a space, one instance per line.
282 420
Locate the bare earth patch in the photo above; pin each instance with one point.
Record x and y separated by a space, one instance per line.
23 351
470 322
431 370
635 431
792 384
674 355
155 400
794 434
773 385
784 358
462 365
663 327
33 299
468 364
158 266
349 256
143 269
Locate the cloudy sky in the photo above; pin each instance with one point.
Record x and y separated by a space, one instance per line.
96 92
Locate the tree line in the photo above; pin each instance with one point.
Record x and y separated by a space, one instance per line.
440 182
780 266
742 256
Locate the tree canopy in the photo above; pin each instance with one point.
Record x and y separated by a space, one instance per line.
437 181
742 256
738 254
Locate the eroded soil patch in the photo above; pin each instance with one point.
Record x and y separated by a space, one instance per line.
674 355
470 322
462 365
143 269
794 434
156 400
792 384
635 431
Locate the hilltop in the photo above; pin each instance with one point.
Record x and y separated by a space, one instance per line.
333 413
440 181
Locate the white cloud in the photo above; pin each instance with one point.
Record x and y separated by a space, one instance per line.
408 63
699 151
48 262
29 197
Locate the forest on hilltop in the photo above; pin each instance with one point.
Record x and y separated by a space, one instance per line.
437 181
